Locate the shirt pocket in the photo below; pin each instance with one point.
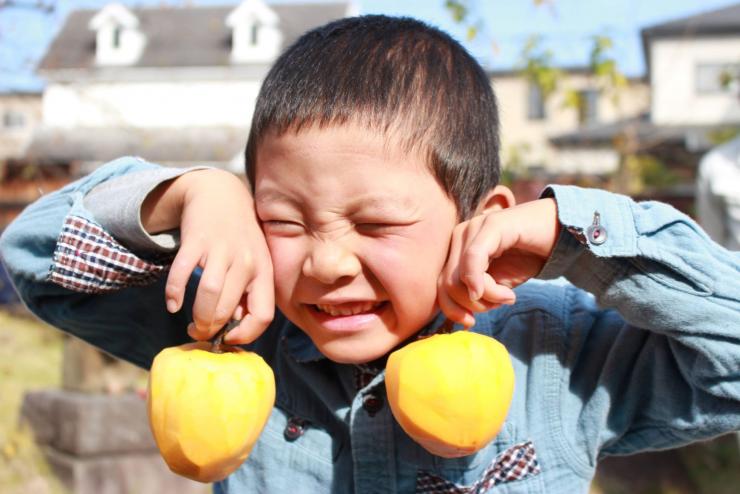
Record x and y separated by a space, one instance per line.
505 464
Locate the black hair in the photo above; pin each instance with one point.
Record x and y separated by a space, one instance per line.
389 74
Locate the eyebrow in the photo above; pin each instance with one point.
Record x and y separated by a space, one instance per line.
389 203
274 195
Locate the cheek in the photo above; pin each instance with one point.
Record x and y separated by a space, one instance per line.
410 265
286 255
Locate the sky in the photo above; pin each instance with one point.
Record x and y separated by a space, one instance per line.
565 28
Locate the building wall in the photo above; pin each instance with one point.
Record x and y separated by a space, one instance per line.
167 103
526 142
230 102
676 99
20 114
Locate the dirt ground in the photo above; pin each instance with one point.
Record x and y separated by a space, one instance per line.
712 467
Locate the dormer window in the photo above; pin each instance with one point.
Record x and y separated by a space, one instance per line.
118 40
117 36
256 36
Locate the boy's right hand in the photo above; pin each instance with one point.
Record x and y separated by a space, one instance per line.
219 232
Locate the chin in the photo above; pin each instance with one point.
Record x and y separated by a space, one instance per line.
341 354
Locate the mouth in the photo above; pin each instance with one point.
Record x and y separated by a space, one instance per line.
347 309
348 317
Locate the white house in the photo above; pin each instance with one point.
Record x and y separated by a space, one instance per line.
694 69
175 85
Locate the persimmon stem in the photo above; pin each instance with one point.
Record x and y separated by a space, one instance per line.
217 342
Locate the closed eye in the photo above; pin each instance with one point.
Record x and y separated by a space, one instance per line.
281 227
379 228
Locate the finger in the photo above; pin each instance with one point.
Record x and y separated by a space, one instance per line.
461 296
195 334
209 291
452 310
452 283
233 290
495 293
476 256
260 303
181 270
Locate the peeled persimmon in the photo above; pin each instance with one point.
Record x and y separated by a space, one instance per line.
451 392
207 408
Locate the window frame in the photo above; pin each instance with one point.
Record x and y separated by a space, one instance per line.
536 109
719 67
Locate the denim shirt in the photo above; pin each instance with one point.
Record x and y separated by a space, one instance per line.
628 341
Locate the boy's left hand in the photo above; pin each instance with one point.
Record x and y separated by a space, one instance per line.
492 253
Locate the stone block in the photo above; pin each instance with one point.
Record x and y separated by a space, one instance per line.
101 444
133 473
38 409
88 424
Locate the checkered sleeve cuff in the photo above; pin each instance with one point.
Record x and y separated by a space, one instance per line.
88 259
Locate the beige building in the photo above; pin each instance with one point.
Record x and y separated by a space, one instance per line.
528 124
693 71
21 114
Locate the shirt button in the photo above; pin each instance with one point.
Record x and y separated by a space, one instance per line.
372 403
294 429
596 235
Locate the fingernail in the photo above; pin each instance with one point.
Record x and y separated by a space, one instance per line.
172 305
192 331
473 295
232 335
239 313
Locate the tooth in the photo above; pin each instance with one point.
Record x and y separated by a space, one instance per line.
347 311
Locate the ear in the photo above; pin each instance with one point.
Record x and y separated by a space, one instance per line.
498 198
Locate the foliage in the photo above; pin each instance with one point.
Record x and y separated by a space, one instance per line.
713 465
722 135
514 168
604 67
653 172
460 12
538 67
604 74
730 78
458 9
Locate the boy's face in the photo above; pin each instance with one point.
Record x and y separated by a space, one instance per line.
358 231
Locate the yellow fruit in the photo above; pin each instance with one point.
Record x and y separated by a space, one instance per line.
206 410
451 392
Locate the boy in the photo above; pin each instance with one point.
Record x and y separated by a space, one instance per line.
373 164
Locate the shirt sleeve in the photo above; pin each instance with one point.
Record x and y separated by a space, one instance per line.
652 359
73 273
116 205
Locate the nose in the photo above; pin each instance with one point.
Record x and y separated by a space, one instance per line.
329 261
